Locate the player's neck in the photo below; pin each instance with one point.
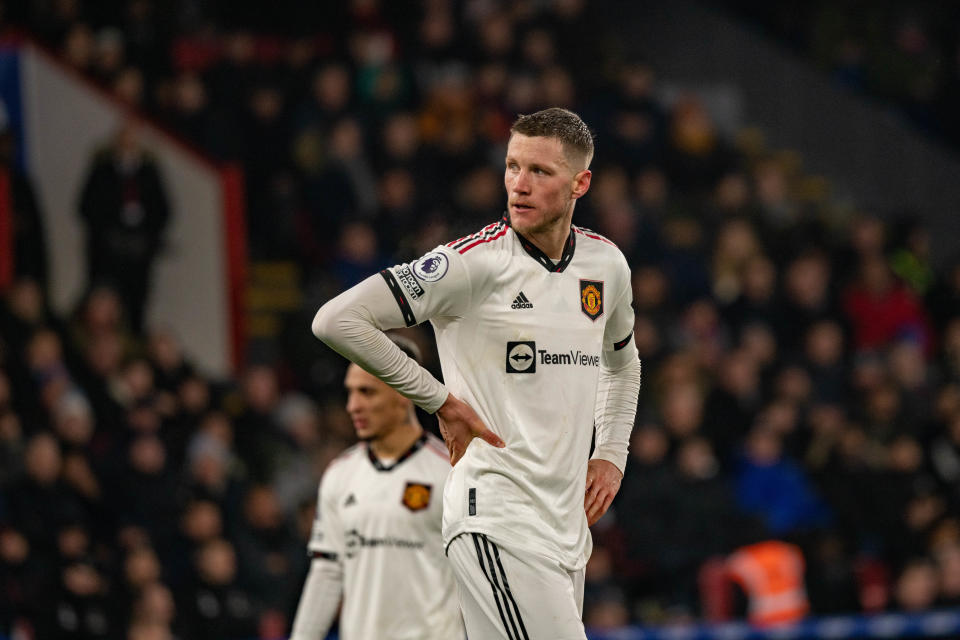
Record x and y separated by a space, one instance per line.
395 443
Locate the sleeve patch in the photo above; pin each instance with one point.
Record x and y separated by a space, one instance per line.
620 345
431 267
397 292
409 282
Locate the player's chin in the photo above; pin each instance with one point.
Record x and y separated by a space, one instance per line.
524 219
364 432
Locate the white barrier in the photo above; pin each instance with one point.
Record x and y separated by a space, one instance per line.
66 119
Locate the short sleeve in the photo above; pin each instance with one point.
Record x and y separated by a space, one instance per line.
326 534
437 284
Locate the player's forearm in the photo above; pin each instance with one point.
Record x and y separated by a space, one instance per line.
318 601
615 411
352 324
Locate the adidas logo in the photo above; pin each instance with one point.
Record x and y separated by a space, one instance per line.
521 302
350 501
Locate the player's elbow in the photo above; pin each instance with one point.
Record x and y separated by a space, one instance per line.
324 323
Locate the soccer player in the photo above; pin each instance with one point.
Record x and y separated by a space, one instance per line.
534 329
376 540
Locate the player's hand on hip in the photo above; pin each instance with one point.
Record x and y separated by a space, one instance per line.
603 482
459 424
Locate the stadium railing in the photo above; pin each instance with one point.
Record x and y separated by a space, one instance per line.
930 624
940 623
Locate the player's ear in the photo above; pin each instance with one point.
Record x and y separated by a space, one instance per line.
581 183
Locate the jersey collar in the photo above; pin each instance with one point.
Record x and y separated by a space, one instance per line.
534 252
379 466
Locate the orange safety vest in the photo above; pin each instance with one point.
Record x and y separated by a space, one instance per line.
771 573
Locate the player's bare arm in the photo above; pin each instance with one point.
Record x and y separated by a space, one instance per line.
603 483
459 424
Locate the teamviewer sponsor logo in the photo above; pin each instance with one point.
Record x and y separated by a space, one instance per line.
355 541
521 357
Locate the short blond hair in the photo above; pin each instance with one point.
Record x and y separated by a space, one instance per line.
562 124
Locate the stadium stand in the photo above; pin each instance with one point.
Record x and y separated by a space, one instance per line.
801 354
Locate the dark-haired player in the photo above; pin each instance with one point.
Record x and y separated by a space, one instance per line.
376 541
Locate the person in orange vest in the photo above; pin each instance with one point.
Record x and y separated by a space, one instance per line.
771 575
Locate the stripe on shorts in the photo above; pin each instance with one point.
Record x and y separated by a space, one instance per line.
494 587
506 587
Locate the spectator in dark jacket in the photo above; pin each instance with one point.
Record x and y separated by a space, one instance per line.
124 206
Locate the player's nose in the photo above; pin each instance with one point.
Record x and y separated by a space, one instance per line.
521 183
353 403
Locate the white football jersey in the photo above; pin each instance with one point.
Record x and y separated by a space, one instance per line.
382 523
520 340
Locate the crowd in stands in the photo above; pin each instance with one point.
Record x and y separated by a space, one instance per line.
801 359
902 54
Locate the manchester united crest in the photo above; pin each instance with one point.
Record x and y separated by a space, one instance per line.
416 496
591 298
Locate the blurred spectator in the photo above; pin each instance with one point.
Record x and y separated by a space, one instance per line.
81 602
831 576
910 259
215 606
772 486
298 472
40 502
736 244
124 207
212 469
200 522
646 496
880 309
23 577
696 156
12 443
155 607
604 606
807 297
916 588
29 234
145 489
947 559
270 559
258 436
79 47
755 295
771 574
824 359
783 363
731 406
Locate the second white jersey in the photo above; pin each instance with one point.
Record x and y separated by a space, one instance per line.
521 339
382 523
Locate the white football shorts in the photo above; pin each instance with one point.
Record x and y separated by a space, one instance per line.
515 596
